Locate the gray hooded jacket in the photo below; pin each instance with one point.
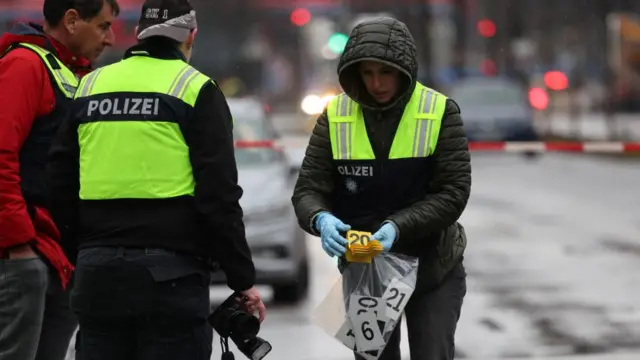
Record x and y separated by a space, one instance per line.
428 228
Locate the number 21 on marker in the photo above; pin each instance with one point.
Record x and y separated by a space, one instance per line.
396 297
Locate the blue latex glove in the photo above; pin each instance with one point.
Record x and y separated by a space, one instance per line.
386 235
330 227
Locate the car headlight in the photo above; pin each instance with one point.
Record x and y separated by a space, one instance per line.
315 104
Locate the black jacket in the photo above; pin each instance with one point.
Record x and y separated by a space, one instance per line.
208 224
428 228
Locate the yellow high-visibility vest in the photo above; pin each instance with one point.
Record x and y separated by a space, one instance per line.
131 145
417 133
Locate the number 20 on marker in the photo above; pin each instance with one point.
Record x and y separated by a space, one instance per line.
358 237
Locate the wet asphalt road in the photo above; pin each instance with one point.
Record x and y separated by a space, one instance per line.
553 264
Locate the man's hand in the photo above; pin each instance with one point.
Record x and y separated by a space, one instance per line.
24 251
253 302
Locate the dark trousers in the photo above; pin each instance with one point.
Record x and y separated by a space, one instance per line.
35 320
141 304
431 318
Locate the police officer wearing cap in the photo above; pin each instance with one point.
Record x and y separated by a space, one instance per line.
144 177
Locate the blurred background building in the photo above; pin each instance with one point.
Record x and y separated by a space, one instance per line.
285 50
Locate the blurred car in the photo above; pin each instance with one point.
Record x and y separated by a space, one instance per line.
277 243
494 109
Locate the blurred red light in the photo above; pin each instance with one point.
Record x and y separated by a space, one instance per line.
300 16
556 80
538 98
486 28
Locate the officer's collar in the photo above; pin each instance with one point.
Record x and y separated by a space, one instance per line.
156 49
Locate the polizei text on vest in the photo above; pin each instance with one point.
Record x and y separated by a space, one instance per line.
124 106
356 170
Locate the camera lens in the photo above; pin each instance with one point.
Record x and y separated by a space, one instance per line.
261 350
255 348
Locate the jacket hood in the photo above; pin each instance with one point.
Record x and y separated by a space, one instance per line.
24 33
34 34
385 40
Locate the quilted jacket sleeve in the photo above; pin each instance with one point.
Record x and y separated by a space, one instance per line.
450 186
315 184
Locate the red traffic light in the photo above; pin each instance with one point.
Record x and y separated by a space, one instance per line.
300 16
556 80
486 28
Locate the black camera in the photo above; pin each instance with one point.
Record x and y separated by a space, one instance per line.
229 320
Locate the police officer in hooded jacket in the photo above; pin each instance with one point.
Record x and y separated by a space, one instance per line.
390 156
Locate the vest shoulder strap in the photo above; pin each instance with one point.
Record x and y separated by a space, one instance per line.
63 77
188 83
427 103
174 78
342 108
422 119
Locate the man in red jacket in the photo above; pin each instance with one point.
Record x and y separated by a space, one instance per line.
39 72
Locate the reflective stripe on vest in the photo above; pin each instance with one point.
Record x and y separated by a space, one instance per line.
416 136
65 79
131 146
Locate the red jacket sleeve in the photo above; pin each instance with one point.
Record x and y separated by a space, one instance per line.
25 93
